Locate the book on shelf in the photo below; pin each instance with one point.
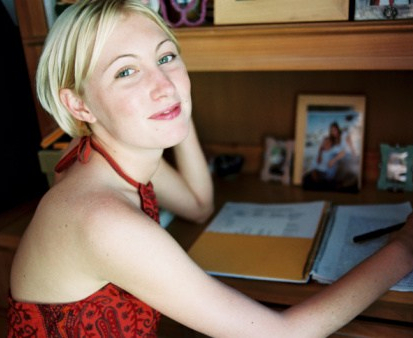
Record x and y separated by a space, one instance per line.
293 242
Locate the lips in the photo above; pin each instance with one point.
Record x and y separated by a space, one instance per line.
167 114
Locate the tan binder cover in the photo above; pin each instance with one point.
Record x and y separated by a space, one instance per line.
257 257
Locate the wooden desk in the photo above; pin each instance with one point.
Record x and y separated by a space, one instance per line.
390 316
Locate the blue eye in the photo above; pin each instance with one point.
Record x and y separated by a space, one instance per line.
125 72
166 59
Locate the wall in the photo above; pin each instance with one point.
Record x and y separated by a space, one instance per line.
21 179
243 107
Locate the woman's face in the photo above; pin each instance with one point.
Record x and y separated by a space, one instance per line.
334 131
139 91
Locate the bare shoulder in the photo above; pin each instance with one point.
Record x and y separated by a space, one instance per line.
108 214
75 227
95 222
105 222
95 211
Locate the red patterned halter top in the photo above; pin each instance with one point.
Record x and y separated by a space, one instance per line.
110 311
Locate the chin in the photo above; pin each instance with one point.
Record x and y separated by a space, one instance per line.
176 136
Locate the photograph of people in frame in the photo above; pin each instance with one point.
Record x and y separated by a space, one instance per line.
333 148
383 9
396 168
277 160
388 2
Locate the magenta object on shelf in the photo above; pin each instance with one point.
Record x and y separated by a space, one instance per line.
181 14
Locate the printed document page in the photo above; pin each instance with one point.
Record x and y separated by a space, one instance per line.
298 220
338 253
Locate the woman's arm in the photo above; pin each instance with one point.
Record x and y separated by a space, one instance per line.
143 259
320 153
350 144
186 190
340 302
336 158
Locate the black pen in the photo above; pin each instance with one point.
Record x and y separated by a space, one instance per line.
377 233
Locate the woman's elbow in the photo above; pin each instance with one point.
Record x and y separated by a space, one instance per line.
203 212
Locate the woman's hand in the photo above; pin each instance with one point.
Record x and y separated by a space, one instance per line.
186 190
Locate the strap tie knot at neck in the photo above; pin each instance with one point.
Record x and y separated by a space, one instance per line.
84 149
80 152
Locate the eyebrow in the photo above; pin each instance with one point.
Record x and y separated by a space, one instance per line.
159 45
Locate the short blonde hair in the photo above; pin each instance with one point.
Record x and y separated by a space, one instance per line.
72 49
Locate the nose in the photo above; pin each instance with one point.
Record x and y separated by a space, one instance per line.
161 84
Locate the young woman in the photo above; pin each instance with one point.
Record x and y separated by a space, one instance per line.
94 261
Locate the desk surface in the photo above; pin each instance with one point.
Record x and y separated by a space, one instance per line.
390 316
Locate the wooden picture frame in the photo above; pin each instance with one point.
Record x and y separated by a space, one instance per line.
383 9
329 140
396 168
229 12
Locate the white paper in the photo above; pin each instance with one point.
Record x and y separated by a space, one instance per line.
299 220
338 253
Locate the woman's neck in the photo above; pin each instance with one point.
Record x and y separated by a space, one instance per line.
131 163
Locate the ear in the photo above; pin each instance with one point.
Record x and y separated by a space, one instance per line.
76 106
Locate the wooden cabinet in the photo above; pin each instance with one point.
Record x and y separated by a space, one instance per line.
33 30
246 78
381 45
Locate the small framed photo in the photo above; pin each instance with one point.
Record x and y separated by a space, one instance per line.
396 168
329 142
383 9
277 160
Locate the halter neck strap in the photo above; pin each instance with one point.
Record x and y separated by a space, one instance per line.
81 152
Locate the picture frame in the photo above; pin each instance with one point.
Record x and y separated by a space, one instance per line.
278 156
396 168
383 9
329 140
53 8
178 13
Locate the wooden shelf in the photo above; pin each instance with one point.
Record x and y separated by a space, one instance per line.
358 45
379 45
370 45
